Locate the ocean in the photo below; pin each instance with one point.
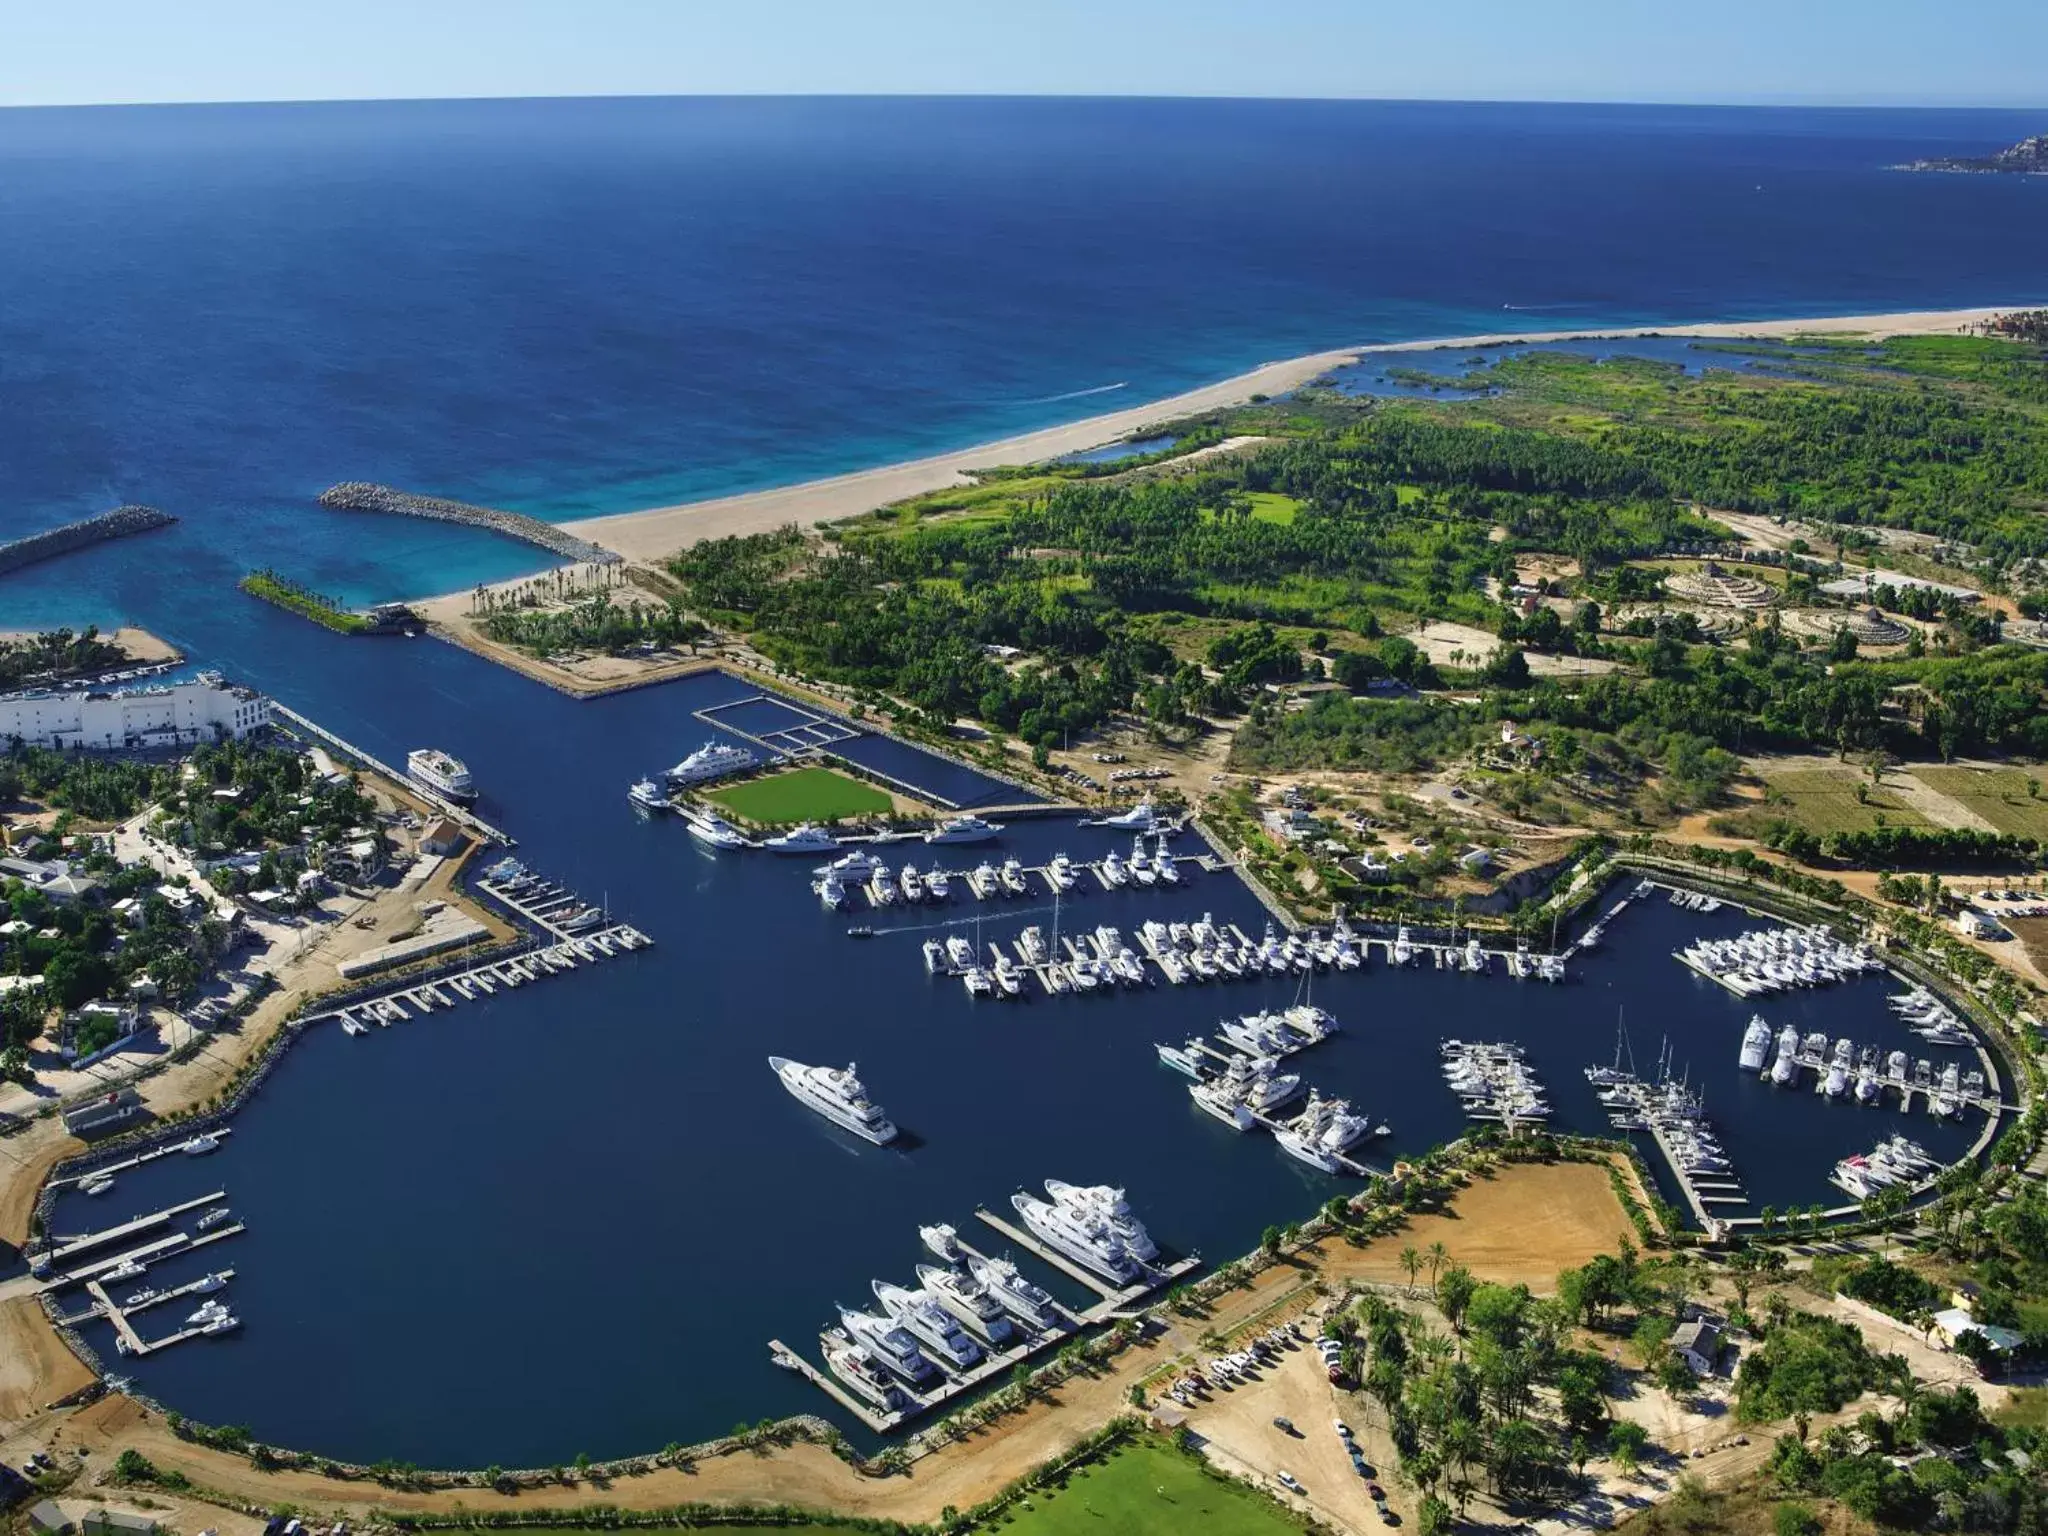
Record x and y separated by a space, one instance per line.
569 1219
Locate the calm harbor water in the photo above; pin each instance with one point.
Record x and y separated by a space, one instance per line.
579 307
603 1171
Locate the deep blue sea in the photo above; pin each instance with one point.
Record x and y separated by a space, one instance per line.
585 1207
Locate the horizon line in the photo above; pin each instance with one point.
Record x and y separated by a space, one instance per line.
1761 102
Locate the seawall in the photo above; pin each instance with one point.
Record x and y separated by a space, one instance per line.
363 496
53 542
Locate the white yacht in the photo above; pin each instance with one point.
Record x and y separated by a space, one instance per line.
1031 945
1060 872
888 1345
1310 1022
963 829
212 1282
1185 1058
808 838
1110 1205
127 1269
1140 864
1756 1044
206 1314
713 830
1012 876
1164 862
1023 1299
1142 817
855 866
857 1368
442 772
218 1216
837 1095
942 1241
1086 1240
831 890
96 1184
938 885
1009 980
911 883
1785 1069
143 1297
227 1322
1320 1134
882 890
197 1146
647 796
959 953
934 957
1114 871
936 1330
713 760
969 1300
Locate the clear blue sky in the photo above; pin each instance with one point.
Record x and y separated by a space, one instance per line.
1949 52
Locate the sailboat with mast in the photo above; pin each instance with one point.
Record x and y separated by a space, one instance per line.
1615 1075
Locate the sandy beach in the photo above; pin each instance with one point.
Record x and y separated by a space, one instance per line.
660 531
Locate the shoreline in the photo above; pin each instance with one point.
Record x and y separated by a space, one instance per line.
655 532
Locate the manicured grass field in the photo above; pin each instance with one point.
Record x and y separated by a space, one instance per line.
802 794
1998 795
1148 1490
1823 800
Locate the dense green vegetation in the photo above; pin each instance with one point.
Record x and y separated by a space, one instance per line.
1366 517
594 624
95 788
283 592
244 795
55 656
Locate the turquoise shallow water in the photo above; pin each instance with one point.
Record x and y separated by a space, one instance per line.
584 1208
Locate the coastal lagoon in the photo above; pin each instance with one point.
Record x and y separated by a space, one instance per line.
585 1207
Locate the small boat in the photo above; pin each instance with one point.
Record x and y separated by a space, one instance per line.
213 1218
127 1269
96 1183
860 931
1185 1058
942 1241
201 1144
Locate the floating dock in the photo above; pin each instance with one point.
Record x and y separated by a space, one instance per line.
108 1170
1113 1299
52 1257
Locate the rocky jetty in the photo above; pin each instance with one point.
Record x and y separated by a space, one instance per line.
362 496
2029 157
53 542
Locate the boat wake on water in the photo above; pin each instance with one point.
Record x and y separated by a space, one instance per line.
1072 394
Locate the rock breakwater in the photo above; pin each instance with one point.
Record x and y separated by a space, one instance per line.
363 496
53 542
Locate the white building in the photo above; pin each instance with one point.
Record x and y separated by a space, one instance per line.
168 715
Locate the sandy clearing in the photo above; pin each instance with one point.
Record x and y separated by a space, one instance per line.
660 531
35 1367
1943 810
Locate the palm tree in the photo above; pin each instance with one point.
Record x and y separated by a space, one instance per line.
1437 1255
1411 1261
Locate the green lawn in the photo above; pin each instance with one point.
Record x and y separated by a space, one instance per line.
2028 1406
802 794
1148 1490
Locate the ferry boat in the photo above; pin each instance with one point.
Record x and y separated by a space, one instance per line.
969 1300
646 796
963 829
808 838
888 1345
1107 1203
442 772
857 1369
936 1330
1086 1240
837 1095
1021 1298
713 760
713 830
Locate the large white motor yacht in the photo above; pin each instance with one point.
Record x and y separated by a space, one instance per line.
713 760
1109 1203
837 1095
963 829
808 838
1086 1240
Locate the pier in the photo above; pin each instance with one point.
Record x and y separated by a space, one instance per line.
52 1257
148 1253
483 980
363 496
102 1307
454 812
108 1170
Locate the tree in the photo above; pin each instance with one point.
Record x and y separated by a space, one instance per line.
1454 1291
1626 1442
1433 1517
1437 1255
1269 1241
1411 1263
1793 1519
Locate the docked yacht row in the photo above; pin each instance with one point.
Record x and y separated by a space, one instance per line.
1777 959
1676 1114
1843 1070
1930 1018
968 1305
1895 1160
1494 1081
865 875
1244 1085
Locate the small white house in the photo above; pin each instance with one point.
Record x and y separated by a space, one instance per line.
1973 924
1698 1344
